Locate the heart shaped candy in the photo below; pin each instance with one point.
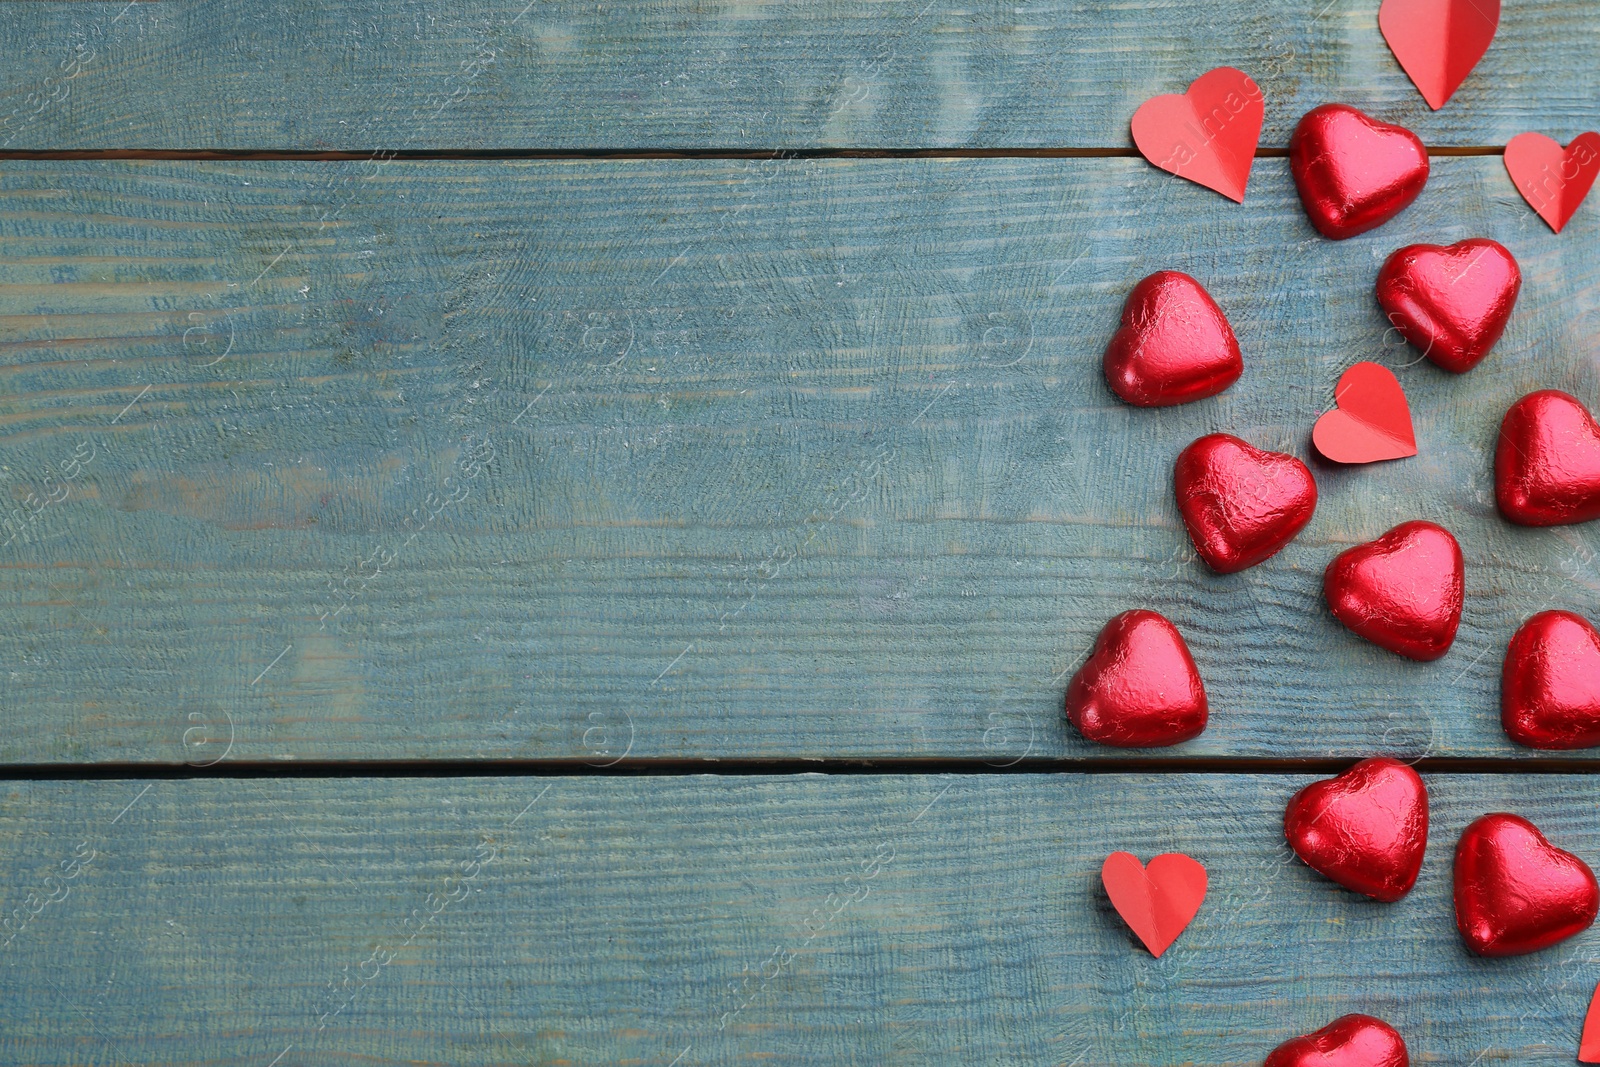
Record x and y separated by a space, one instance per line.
1159 901
1438 42
1547 461
1366 829
1370 419
1241 504
1208 134
1550 684
1175 344
1354 173
1348 1041
1451 303
1515 891
1553 180
1139 687
1402 592
1589 1041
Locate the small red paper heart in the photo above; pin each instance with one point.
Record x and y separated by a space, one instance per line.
1547 461
1366 829
1550 684
1175 344
1139 688
1402 592
1159 901
1553 180
1370 421
1515 891
1452 303
1207 135
1589 1044
1438 42
1241 504
1353 172
1349 1041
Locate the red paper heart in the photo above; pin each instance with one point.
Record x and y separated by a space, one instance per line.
1139 688
1207 135
1157 902
1452 303
1175 344
1370 421
1354 173
1366 829
1515 891
1402 592
1438 42
1241 504
1547 461
1349 1041
1589 1044
1550 684
1553 180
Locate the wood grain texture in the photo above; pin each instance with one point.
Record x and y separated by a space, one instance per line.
900 920
560 74
796 459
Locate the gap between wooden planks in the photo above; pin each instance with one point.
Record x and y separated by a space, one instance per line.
678 768
270 155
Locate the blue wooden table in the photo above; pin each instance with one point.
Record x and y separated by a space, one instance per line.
557 534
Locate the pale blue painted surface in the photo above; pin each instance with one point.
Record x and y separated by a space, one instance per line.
565 74
630 920
819 460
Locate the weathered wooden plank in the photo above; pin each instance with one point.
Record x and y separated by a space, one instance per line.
689 921
804 460
548 74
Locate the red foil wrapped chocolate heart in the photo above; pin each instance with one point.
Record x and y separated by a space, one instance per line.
1452 303
1175 344
1403 591
1241 504
1354 173
1349 1041
1366 829
1547 461
1515 891
1140 687
1550 684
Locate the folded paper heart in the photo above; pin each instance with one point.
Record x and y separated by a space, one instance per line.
1451 303
1139 688
1402 592
1366 829
1438 42
1159 901
1547 461
1240 504
1553 180
1370 421
1175 344
1348 1041
1208 134
1353 172
1550 683
1515 892
1589 1044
